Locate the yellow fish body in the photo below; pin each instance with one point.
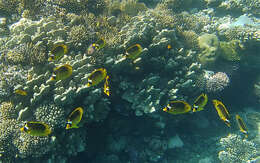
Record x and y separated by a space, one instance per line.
177 107
242 125
96 77
62 72
222 111
20 92
96 46
74 118
134 51
36 128
106 87
200 102
100 44
58 51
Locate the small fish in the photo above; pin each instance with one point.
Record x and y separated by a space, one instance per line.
20 92
242 125
134 51
200 102
96 46
222 111
62 72
58 51
36 129
177 107
169 47
106 86
74 118
96 77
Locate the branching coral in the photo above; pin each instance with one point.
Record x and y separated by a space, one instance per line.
8 111
236 149
32 146
11 77
78 35
27 54
9 129
52 115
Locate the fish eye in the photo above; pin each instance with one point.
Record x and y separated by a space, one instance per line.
25 128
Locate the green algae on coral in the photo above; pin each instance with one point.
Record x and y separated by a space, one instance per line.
230 51
209 45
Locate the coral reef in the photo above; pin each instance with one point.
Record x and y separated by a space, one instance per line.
236 149
209 45
217 82
245 6
178 39
230 51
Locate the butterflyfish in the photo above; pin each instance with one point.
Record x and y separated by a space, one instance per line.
96 77
36 128
20 92
106 86
177 107
200 102
58 51
242 125
74 118
222 111
96 46
134 51
61 72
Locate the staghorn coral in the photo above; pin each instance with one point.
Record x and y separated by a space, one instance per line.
236 149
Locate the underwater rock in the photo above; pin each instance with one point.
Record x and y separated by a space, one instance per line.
175 142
